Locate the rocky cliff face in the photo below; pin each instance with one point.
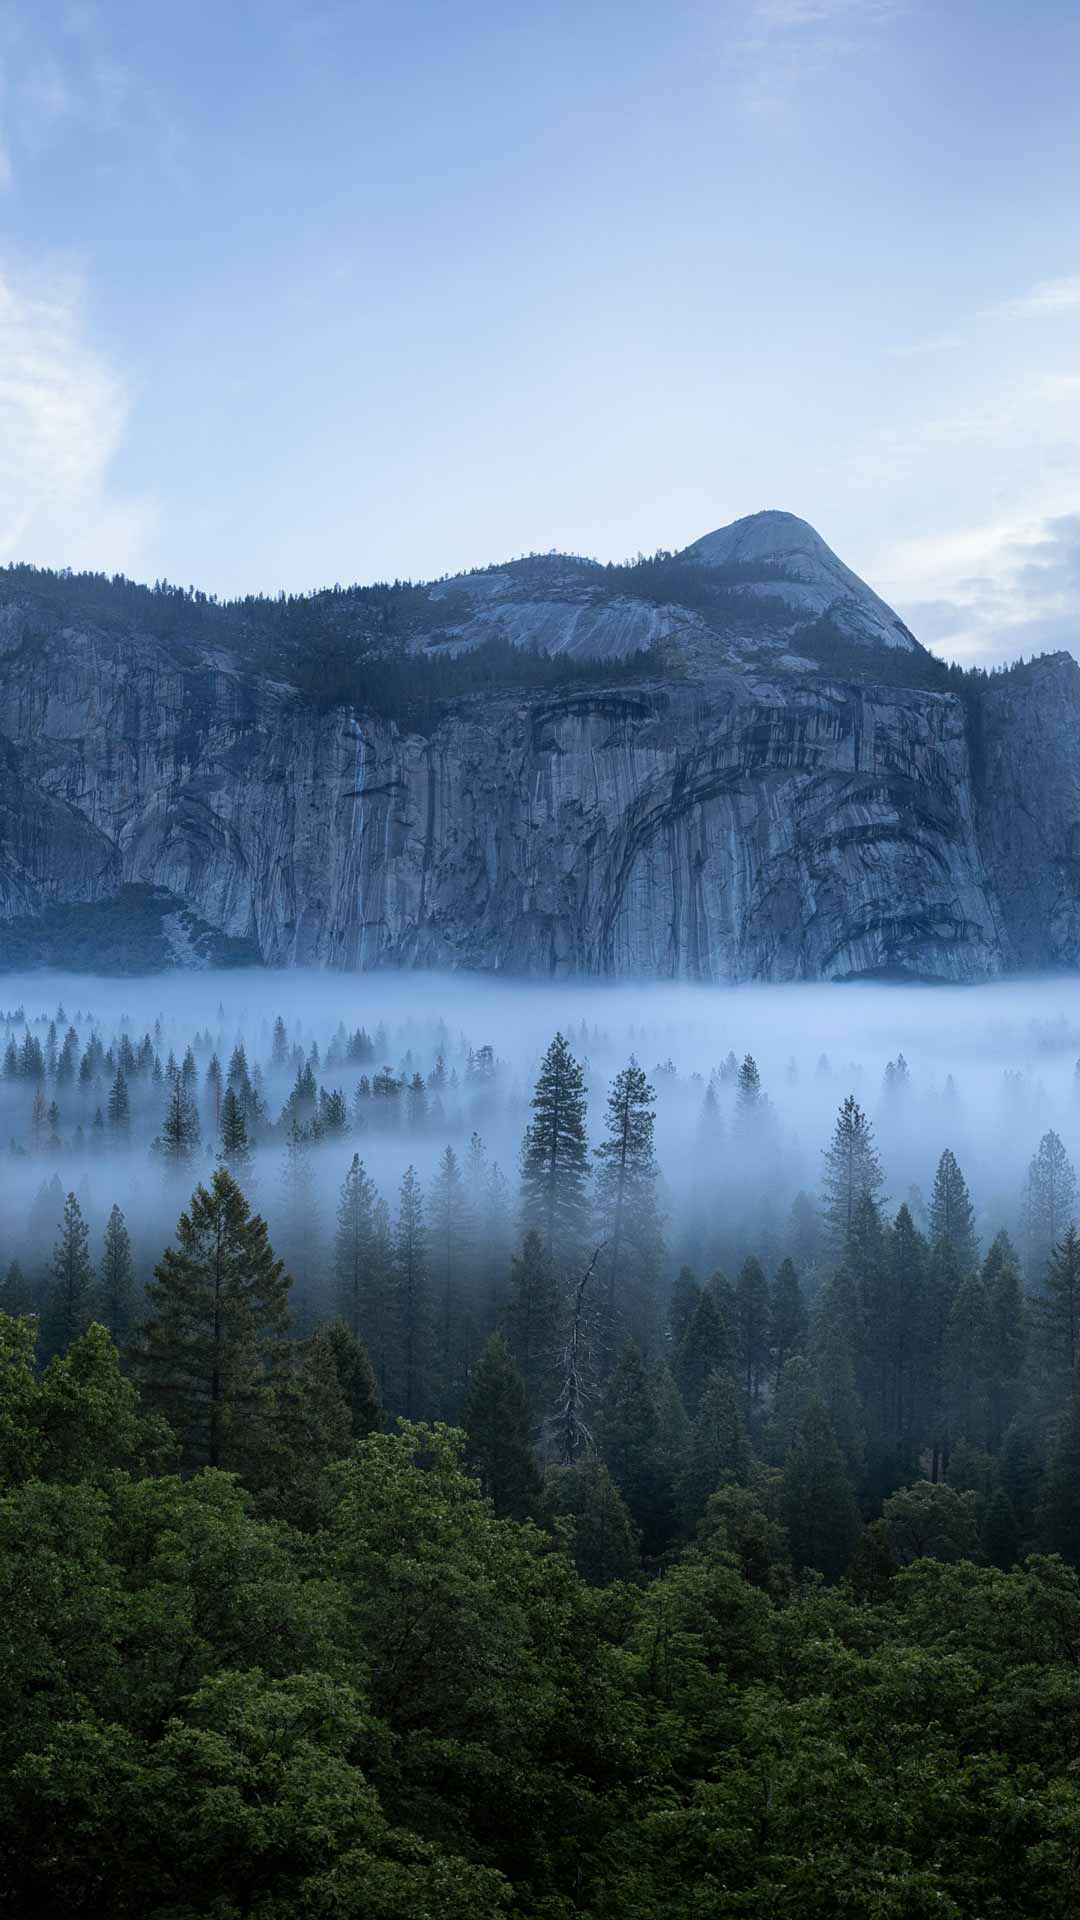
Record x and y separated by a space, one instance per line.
744 815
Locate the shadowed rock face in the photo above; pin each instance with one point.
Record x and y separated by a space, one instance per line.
723 825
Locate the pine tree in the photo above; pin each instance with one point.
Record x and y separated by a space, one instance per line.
1000 1532
915 1337
852 1171
818 1504
682 1306
555 1158
15 1296
1059 1500
627 1216
68 1309
179 1137
218 1304
119 1107
410 1278
1049 1202
116 1280
605 1547
236 1150
362 1294
749 1099
834 1349
300 1235
718 1453
356 1378
966 1360
1058 1306
752 1312
532 1322
788 1330
1006 1335
952 1216
706 1349
628 1439
214 1092
498 1448
449 1228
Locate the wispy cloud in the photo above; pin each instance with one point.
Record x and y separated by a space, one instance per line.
786 43
63 410
1048 298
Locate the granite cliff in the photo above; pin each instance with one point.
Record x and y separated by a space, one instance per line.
734 763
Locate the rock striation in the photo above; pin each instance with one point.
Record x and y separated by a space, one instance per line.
745 812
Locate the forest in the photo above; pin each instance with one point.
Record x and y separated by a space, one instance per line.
484 1450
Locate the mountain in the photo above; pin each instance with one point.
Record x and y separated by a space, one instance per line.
730 763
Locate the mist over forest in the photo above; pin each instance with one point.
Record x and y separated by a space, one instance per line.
478 1450
398 1067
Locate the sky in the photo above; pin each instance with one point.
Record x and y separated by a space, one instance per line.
303 291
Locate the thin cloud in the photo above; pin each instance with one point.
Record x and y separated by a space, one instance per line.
788 42
1043 301
63 411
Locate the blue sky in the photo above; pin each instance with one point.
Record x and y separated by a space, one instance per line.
295 291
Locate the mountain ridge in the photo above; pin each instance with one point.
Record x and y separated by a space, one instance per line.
730 785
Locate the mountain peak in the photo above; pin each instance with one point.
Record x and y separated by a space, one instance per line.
798 567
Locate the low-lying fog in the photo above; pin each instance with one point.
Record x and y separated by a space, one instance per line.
989 1071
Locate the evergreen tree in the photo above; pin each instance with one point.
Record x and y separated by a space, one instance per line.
1006 1336
1049 1202
362 1294
749 1099
834 1347
852 1171
1059 1500
218 1304
604 1544
119 1107
627 1217
819 1507
555 1159
179 1137
628 1438
718 1451
952 1216
15 1296
1000 1532
449 1232
1058 1306
498 1448
300 1224
68 1309
788 1330
236 1150
532 1322
966 1358
116 1280
682 1306
752 1317
412 1315
706 1349
356 1378
305 1426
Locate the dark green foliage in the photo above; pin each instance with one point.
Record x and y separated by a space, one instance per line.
411 1296
952 1216
498 1442
718 1450
217 1305
603 1541
1058 1305
115 1303
852 1172
532 1322
753 1311
818 1504
629 1439
788 1329
1000 1533
1058 1517
706 1347
70 1300
626 1210
555 1159
356 1379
